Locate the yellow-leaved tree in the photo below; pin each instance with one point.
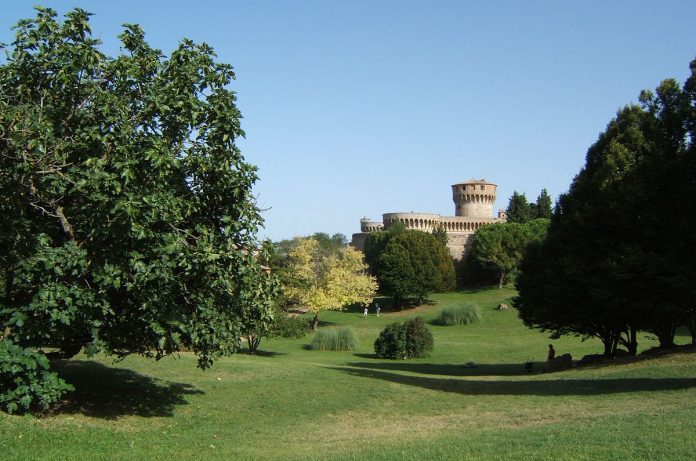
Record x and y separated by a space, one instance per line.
328 281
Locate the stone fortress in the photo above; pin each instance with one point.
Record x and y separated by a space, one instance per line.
473 208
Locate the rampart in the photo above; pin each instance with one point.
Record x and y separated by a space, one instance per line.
473 202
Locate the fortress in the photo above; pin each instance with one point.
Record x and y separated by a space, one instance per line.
473 208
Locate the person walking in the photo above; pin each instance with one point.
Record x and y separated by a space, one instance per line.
377 309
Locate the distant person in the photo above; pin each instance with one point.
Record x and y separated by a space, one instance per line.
377 309
552 352
365 313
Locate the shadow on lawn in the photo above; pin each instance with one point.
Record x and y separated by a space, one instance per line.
545 387
109 393
506 369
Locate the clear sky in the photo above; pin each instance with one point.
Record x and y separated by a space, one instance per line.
356 108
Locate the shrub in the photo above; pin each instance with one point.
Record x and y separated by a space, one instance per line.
463 314
412 339
338 339
419 339
391 343
290 327
26 383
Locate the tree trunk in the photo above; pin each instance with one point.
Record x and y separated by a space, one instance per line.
315 322
501 280
253 342
632 341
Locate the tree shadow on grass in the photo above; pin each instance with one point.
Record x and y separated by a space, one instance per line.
454 369
110 393
548 387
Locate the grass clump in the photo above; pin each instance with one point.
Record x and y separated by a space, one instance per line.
462 314
334 339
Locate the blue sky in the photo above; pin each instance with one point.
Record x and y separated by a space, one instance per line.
358 108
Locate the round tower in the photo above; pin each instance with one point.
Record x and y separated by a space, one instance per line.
474 198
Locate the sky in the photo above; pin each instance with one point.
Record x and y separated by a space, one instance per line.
357 108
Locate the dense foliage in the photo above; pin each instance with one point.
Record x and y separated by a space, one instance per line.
501 246
519 210
409 340
127 219
26 383
619 252
328 280
409 264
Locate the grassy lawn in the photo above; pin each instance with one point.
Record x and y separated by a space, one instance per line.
293 403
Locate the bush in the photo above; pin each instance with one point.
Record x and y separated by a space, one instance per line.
463 314
412 339
25 380
391 343
290 327
419 339
338 339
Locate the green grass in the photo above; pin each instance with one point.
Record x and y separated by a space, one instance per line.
292 403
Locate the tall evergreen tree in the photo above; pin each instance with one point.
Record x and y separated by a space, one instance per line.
542 208
518 209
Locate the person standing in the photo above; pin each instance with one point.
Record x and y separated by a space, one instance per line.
365 312
552 353
377 309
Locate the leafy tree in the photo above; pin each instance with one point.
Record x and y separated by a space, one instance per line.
328 282
518 209
502 245
127 218
618 257
412 264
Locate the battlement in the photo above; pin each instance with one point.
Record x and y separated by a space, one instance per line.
473 201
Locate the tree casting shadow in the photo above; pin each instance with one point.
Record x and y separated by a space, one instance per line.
109 393
554 387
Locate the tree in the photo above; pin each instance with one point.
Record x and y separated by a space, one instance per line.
518 209
126 213
440 233
328 282
618 257
502 245
411 264
542 208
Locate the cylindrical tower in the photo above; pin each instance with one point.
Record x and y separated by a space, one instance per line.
474 198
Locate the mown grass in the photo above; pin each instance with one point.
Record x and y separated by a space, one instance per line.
293 403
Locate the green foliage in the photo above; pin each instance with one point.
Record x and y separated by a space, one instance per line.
619 253
127 218
290 327
334 339
419 339
542 207
26 383
440 233
409 264
411 339
502 245
518 210
391 343
463 314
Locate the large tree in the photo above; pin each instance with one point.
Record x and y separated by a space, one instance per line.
501 246
127 219
618 257
328 281
410 264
